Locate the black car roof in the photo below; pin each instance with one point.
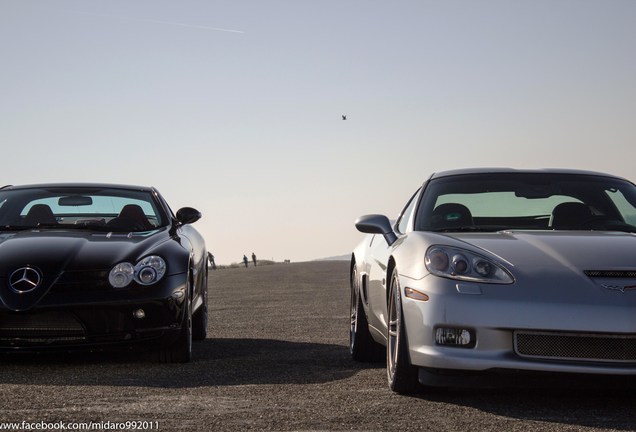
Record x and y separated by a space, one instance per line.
79 185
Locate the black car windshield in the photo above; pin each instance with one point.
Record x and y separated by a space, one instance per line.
527 201
92 208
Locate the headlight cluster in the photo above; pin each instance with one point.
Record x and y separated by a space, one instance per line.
146 272
461 264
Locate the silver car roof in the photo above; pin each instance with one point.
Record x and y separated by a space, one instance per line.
518 171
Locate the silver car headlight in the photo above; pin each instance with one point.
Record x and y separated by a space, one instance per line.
460 264
147 271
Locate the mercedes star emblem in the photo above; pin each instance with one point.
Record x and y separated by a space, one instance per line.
25 279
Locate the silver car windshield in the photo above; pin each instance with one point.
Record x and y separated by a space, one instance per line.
527 201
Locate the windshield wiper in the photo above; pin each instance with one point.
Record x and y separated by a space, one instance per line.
466 228
15 228
48 226
28 227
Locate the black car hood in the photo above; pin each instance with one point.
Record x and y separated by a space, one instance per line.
52 252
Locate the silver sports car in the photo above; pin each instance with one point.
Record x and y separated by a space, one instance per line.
499 270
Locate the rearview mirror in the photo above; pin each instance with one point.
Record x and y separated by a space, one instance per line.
376 224
188 215
76 200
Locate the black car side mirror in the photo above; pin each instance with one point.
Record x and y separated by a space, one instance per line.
188 215
376 224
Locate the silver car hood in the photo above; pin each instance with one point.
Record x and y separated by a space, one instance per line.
574 250
581 250
551 268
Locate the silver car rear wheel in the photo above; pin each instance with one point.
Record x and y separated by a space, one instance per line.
362 347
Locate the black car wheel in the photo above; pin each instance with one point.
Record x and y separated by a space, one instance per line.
181 350
402 376
200 316
362 347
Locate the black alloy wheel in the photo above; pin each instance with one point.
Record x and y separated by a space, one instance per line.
181 350
200 316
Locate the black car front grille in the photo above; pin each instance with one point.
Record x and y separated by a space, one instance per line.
575 346
41 326
91 280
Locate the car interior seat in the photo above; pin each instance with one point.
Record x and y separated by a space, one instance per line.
39 214
451 215
569 215
131 216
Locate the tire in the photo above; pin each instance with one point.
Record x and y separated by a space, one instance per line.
362 347
402 376
181 350
200 316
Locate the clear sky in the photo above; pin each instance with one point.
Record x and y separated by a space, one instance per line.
234 107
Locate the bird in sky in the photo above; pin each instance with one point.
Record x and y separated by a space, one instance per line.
344 116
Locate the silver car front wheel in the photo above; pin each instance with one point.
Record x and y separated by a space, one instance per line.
402 376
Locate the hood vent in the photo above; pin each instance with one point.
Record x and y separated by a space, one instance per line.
617 274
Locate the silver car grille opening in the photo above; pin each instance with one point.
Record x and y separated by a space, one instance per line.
619 274
38 327
576 346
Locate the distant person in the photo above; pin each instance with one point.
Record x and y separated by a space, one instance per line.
254 259
245 260
211 259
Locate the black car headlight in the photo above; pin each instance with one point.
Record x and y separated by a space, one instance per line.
121 275
147 271
460 264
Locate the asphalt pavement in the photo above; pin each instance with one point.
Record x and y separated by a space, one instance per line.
276 358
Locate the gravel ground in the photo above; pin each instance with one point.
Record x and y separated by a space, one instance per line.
276 358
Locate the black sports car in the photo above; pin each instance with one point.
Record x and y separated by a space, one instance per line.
99 266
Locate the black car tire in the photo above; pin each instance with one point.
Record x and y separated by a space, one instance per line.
401 374
200 316
181 350
362 347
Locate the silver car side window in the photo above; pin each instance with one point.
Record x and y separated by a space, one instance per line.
402 223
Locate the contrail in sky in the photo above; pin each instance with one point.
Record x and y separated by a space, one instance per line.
195 26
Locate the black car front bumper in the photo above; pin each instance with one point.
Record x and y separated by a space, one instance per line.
98 317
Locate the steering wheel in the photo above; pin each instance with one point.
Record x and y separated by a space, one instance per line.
604 222
126 224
